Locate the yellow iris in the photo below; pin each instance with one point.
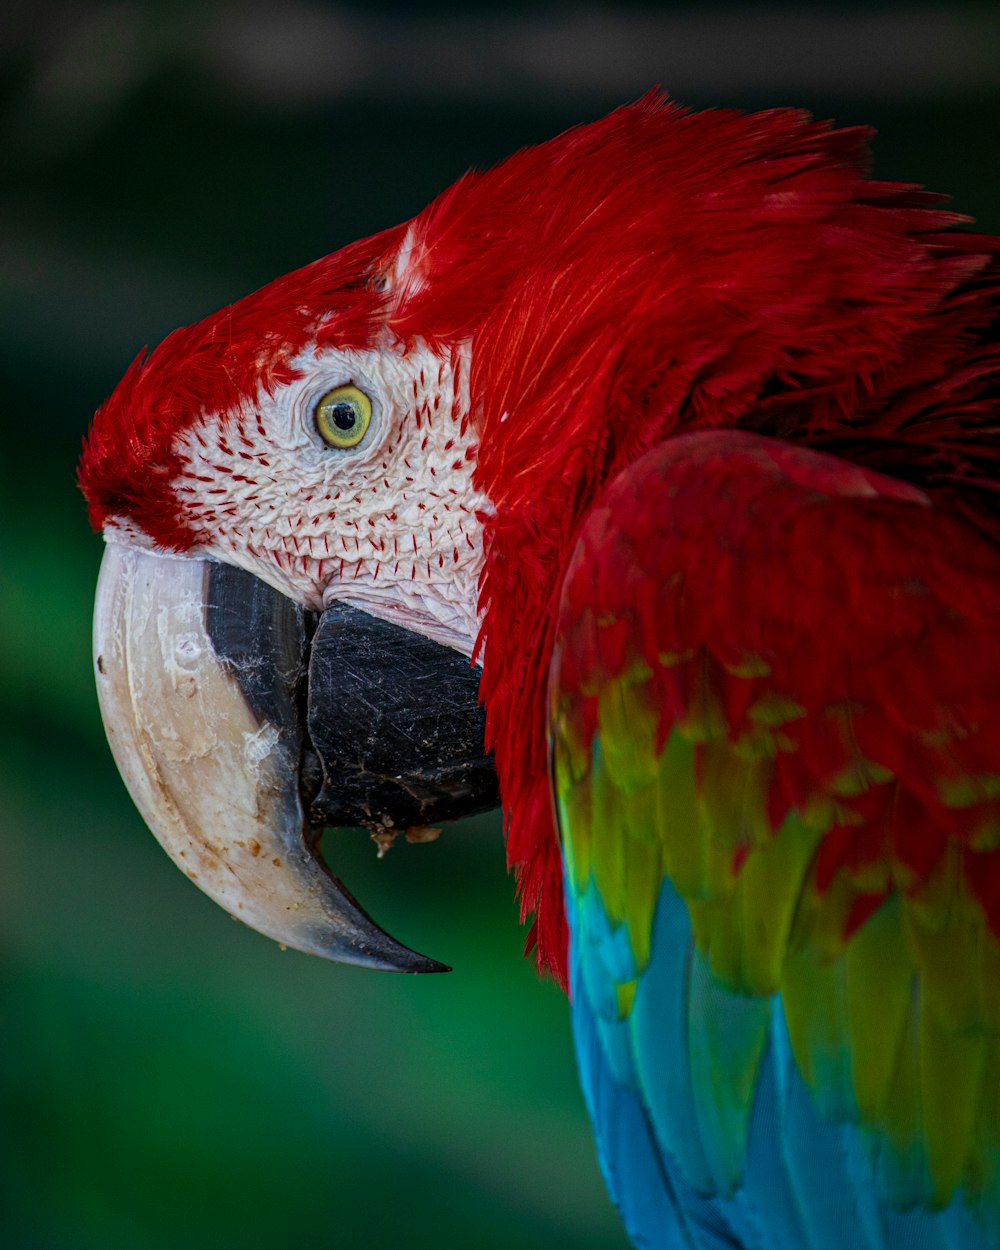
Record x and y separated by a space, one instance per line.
343 415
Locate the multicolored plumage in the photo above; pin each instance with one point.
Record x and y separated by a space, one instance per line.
731 412
820 946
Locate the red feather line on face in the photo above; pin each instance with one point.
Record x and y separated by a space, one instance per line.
207 370
654 272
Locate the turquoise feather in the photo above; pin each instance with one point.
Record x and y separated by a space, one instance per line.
772 1174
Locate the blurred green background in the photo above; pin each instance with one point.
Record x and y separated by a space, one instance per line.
167 1077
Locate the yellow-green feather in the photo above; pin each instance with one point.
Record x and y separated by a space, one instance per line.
895 1025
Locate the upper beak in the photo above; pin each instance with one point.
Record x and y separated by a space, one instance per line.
241 726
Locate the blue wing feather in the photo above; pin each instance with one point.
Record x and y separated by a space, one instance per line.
794 1180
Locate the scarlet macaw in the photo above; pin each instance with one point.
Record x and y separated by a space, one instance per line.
686 431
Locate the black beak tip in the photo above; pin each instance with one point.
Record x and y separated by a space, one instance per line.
426 964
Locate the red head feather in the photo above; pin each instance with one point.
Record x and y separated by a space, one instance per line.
129 461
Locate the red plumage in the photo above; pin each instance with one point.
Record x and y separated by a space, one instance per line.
654 273
674 272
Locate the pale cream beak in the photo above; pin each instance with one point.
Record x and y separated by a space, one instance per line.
217 780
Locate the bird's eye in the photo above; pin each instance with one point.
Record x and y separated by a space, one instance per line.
342 416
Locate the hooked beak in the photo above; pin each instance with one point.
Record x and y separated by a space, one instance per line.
242 724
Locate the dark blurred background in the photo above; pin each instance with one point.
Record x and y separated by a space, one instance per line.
167 1077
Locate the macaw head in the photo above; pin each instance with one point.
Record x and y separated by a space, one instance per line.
287 608
339 510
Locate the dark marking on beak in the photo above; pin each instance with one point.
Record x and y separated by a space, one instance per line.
262 638
376 726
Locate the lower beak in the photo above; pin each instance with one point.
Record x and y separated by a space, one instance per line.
242 725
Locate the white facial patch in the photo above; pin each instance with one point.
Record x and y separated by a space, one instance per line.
389 526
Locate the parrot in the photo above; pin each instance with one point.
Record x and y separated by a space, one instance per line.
647 486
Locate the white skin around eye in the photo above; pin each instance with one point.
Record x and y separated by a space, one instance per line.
391 526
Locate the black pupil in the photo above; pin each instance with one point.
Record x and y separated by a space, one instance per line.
345 416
